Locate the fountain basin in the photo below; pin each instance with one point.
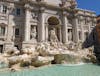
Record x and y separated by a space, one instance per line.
58 70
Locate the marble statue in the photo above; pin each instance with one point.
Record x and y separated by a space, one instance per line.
33 33
70 36
53 36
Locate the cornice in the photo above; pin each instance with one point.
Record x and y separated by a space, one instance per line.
50 6
85 11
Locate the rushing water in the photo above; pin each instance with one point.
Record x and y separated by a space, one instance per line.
59 70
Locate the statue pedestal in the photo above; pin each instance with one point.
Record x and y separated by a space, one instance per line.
9 45
28 44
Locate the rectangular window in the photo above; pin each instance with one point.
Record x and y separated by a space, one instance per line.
17 31
86 22
1 48
2 31
80 35
93 24
18 11
86 34
4 9
0 8
79 21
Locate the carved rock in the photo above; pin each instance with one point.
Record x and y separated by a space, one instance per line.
42 61
12 51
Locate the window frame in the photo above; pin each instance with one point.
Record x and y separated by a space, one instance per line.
4 9
17 32
2 30
18 11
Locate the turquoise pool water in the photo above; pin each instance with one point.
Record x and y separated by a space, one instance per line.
59 70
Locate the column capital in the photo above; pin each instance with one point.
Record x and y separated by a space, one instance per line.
27 6
75 16
81 18
64 13
88 19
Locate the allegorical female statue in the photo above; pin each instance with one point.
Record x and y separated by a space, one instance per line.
53 36
33 33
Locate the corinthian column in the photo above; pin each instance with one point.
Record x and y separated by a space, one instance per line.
82 27
27 23
75 29
64 28
41 26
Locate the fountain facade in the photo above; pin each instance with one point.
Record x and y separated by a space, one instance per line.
25 23
37 33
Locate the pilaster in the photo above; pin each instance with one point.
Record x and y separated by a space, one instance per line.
9 42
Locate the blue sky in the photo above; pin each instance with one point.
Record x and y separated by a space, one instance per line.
93 5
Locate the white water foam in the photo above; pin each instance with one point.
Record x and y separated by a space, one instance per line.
81 63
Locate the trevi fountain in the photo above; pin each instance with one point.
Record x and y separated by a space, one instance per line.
50 51
51 56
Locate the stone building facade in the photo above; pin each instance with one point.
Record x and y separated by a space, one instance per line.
23 23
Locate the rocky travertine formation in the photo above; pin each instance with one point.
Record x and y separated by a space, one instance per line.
47 53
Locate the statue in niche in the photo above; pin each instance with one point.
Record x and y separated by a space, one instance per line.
33 33
53 36
70 35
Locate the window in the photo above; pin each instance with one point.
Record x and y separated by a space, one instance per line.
2 31
86 22
1 48
4 9
0 8
79 21
17 31
80 33
18 11
93 24
86 34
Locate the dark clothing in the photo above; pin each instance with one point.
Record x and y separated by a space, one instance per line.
93 40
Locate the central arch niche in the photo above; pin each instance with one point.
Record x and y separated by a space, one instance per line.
54 25
53 21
